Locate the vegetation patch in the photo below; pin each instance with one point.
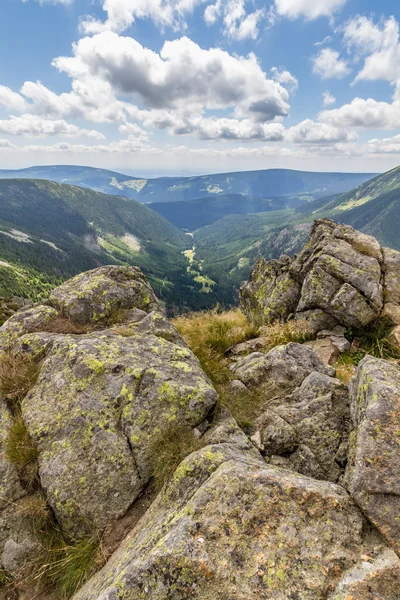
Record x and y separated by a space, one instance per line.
168 449
21 451
18 373
277 333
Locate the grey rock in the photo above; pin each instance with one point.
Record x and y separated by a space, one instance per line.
96 295
392 275
281 370
229 526
374 463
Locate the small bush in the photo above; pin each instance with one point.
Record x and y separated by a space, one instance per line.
375 341
168 449
18 373
283 333
66 326
21 451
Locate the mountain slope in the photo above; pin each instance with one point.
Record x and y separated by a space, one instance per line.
373 207
53 231
261 184
195 214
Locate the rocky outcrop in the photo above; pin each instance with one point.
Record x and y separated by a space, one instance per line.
229 526
341 277
101 397
374 461
304 506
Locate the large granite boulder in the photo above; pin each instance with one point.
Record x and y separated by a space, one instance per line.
97 295
229 526
102 396
341 277
374 463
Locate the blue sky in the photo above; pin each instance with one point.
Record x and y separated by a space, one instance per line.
189 86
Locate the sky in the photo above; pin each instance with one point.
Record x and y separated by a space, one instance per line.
200 86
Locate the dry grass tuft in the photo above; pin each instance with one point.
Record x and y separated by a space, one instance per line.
34 509
18 373
277 333
168 449
66 326
210 334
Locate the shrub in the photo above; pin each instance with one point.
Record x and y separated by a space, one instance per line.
21 451
18 373
168 449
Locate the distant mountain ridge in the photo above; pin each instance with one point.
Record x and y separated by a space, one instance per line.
262 183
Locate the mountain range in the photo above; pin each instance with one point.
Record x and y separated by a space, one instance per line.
195 252
270 183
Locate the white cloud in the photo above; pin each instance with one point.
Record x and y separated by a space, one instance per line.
122 13
310 9
384 146
328 65
239 25
11 99
7 144
367 114
231 129
380 44
182 77
309 132
328 98
31 126
134 130
285 78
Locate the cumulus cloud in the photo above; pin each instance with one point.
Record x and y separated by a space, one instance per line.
237 23
379 44
367 114
310 9
384 146
328 65
183 75
309 132
31 126
6 144
328 98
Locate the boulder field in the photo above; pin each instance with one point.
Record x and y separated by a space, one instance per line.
305 507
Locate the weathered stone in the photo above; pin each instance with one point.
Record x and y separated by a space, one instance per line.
392 275
326 351
394 337
26 320
18 555
377 577
276 436
391 312
229 526
244 348
97 403
97 295
317 319
279 371
271 293
374 463
341 275
311 428
236 388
